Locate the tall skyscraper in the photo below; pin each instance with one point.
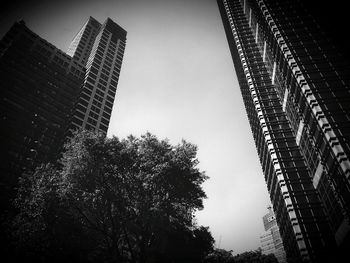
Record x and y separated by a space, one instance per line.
46 93
271 242
295 87
99 48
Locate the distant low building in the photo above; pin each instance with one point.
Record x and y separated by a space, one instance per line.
271 242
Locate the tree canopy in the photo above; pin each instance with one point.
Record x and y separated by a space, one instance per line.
255 257
130 200
224 256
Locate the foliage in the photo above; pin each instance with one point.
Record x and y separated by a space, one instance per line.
255 257
128 200
224 256
219 256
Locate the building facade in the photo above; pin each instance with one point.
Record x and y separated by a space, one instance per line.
271 241
46 93
295 87
39 88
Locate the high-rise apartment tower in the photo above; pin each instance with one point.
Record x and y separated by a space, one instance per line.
295 87
99 48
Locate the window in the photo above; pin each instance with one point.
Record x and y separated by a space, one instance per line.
104 121
100 93
79 114
107 103
93 115
98 98
104 83
77 121
84 103
104 77
113 83
103 127
111 93
84 96
102 87
96 103
106 115
94 70
91 80
95 109
108 110
105 71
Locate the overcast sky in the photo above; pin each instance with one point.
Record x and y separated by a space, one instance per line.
178 82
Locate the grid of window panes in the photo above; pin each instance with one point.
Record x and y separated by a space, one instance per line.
80 48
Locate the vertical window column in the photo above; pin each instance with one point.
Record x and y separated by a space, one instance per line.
274 72
250 17
300 131
318 174
285 98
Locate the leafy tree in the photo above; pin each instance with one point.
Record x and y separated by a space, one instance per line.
255 257
224 256
219 256
186 245
128 200
44 227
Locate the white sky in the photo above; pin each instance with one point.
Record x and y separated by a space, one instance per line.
177 81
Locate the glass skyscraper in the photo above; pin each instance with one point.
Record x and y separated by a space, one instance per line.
295 87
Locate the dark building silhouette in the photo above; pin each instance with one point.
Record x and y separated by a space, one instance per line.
38 94
294 79
46 93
